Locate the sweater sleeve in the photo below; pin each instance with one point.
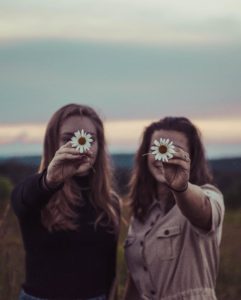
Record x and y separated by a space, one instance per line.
30 196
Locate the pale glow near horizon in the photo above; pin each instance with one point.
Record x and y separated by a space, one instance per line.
124 134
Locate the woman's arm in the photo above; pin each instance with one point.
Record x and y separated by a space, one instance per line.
34 192
193 200
203 206
130 292
195 206
31 195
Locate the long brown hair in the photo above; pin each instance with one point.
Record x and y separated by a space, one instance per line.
143 186
59 213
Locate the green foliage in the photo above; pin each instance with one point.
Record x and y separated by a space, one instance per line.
121 265
5 188
232 195
5 191
230 185
229 278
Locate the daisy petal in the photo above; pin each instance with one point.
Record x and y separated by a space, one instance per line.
157 156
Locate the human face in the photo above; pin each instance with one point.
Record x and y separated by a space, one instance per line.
179 140
67 130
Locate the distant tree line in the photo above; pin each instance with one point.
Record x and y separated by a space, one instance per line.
227 175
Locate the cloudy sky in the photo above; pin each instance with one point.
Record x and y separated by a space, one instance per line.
133 61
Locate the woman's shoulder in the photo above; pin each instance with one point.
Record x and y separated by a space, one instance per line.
214 195
211 187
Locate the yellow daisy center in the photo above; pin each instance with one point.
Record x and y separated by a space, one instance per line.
82 140
162 149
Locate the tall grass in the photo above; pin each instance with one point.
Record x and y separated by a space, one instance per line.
11 259
229 278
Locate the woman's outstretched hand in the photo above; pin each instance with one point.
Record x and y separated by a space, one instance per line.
65 164
176 172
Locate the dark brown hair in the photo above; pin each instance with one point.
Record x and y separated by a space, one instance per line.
143 185
59 213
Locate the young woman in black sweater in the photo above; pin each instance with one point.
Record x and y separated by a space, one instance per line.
68 212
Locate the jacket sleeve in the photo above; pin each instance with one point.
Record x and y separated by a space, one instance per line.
218 209
30 196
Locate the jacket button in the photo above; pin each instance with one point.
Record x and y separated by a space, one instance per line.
145 268
141 243
166 232
153 292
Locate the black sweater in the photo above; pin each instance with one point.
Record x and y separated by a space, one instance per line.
62 264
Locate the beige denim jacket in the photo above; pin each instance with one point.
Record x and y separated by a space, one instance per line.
170 259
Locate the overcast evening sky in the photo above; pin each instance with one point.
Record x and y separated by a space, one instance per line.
133 61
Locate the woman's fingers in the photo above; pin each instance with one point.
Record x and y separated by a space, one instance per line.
179 162
181 154
89 153
158 164
69 156
66 145
67 150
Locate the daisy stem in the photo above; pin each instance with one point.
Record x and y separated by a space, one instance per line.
146 154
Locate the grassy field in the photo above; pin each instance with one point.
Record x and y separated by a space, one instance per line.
11 258
229 278
228 285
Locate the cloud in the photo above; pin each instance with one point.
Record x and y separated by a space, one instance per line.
120 81
222 131
124 134
149 22
21 133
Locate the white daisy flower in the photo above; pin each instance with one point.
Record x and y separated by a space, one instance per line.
82 141
163 149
